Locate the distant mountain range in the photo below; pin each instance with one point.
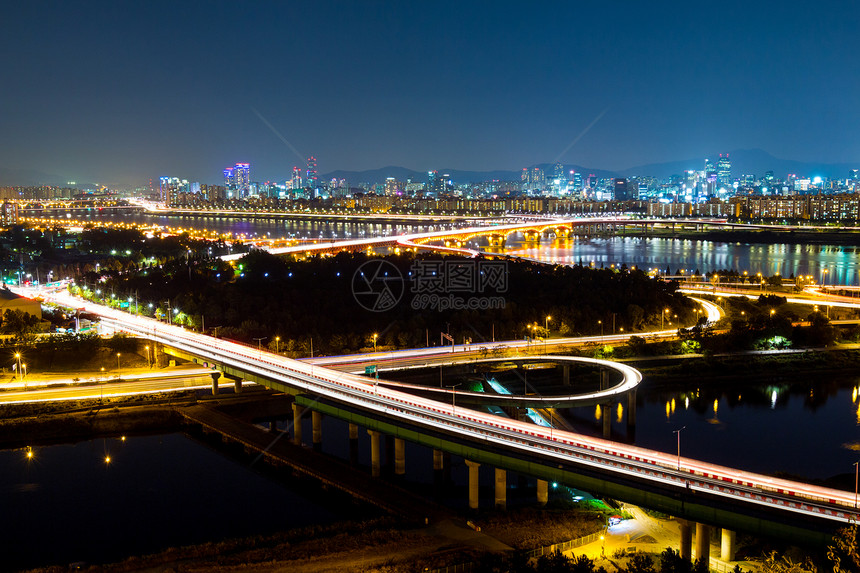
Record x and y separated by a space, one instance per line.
747 162
744 162
34 177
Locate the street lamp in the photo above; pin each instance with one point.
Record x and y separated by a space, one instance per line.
600 322
678 432
118 371
375 336
546 324
278 344
148 361
453 388
260 344
18 358
856 470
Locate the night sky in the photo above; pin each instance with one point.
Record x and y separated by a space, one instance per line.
123 91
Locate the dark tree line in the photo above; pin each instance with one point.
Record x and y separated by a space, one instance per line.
269 296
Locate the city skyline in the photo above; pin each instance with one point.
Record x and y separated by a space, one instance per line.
122 94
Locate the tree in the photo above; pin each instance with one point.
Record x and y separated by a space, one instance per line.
844 554
19 323
641 563
774 564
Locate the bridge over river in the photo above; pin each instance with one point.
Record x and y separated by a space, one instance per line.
698 492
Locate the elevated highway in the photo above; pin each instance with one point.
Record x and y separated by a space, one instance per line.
684 487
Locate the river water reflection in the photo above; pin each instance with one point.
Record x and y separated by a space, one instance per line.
809 429
842 263
67 504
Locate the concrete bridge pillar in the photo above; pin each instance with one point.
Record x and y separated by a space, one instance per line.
237 385
728 545
686 539
297 424
501 489
438 460
606 416
565 370
316 418
438 466
353 444
399 457
374 453
542 492
703 541
215 376
473 483
604 379
496 241
631 407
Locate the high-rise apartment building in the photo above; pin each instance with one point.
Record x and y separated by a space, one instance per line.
437 184
237 180
242 173
533 179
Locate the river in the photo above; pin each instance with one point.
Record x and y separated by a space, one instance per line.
841 263
68 504
169 490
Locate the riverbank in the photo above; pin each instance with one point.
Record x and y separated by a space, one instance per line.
379 545
747 367
68 422
836 236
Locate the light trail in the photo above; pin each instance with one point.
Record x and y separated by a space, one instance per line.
549 446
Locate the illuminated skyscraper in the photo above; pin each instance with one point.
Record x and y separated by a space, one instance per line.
622 189
709 169
297 182
312 177
724 170
242 174
237 180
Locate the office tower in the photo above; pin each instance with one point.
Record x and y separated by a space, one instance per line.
622 189
724 170
709 169
229 180
297 182
312 179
